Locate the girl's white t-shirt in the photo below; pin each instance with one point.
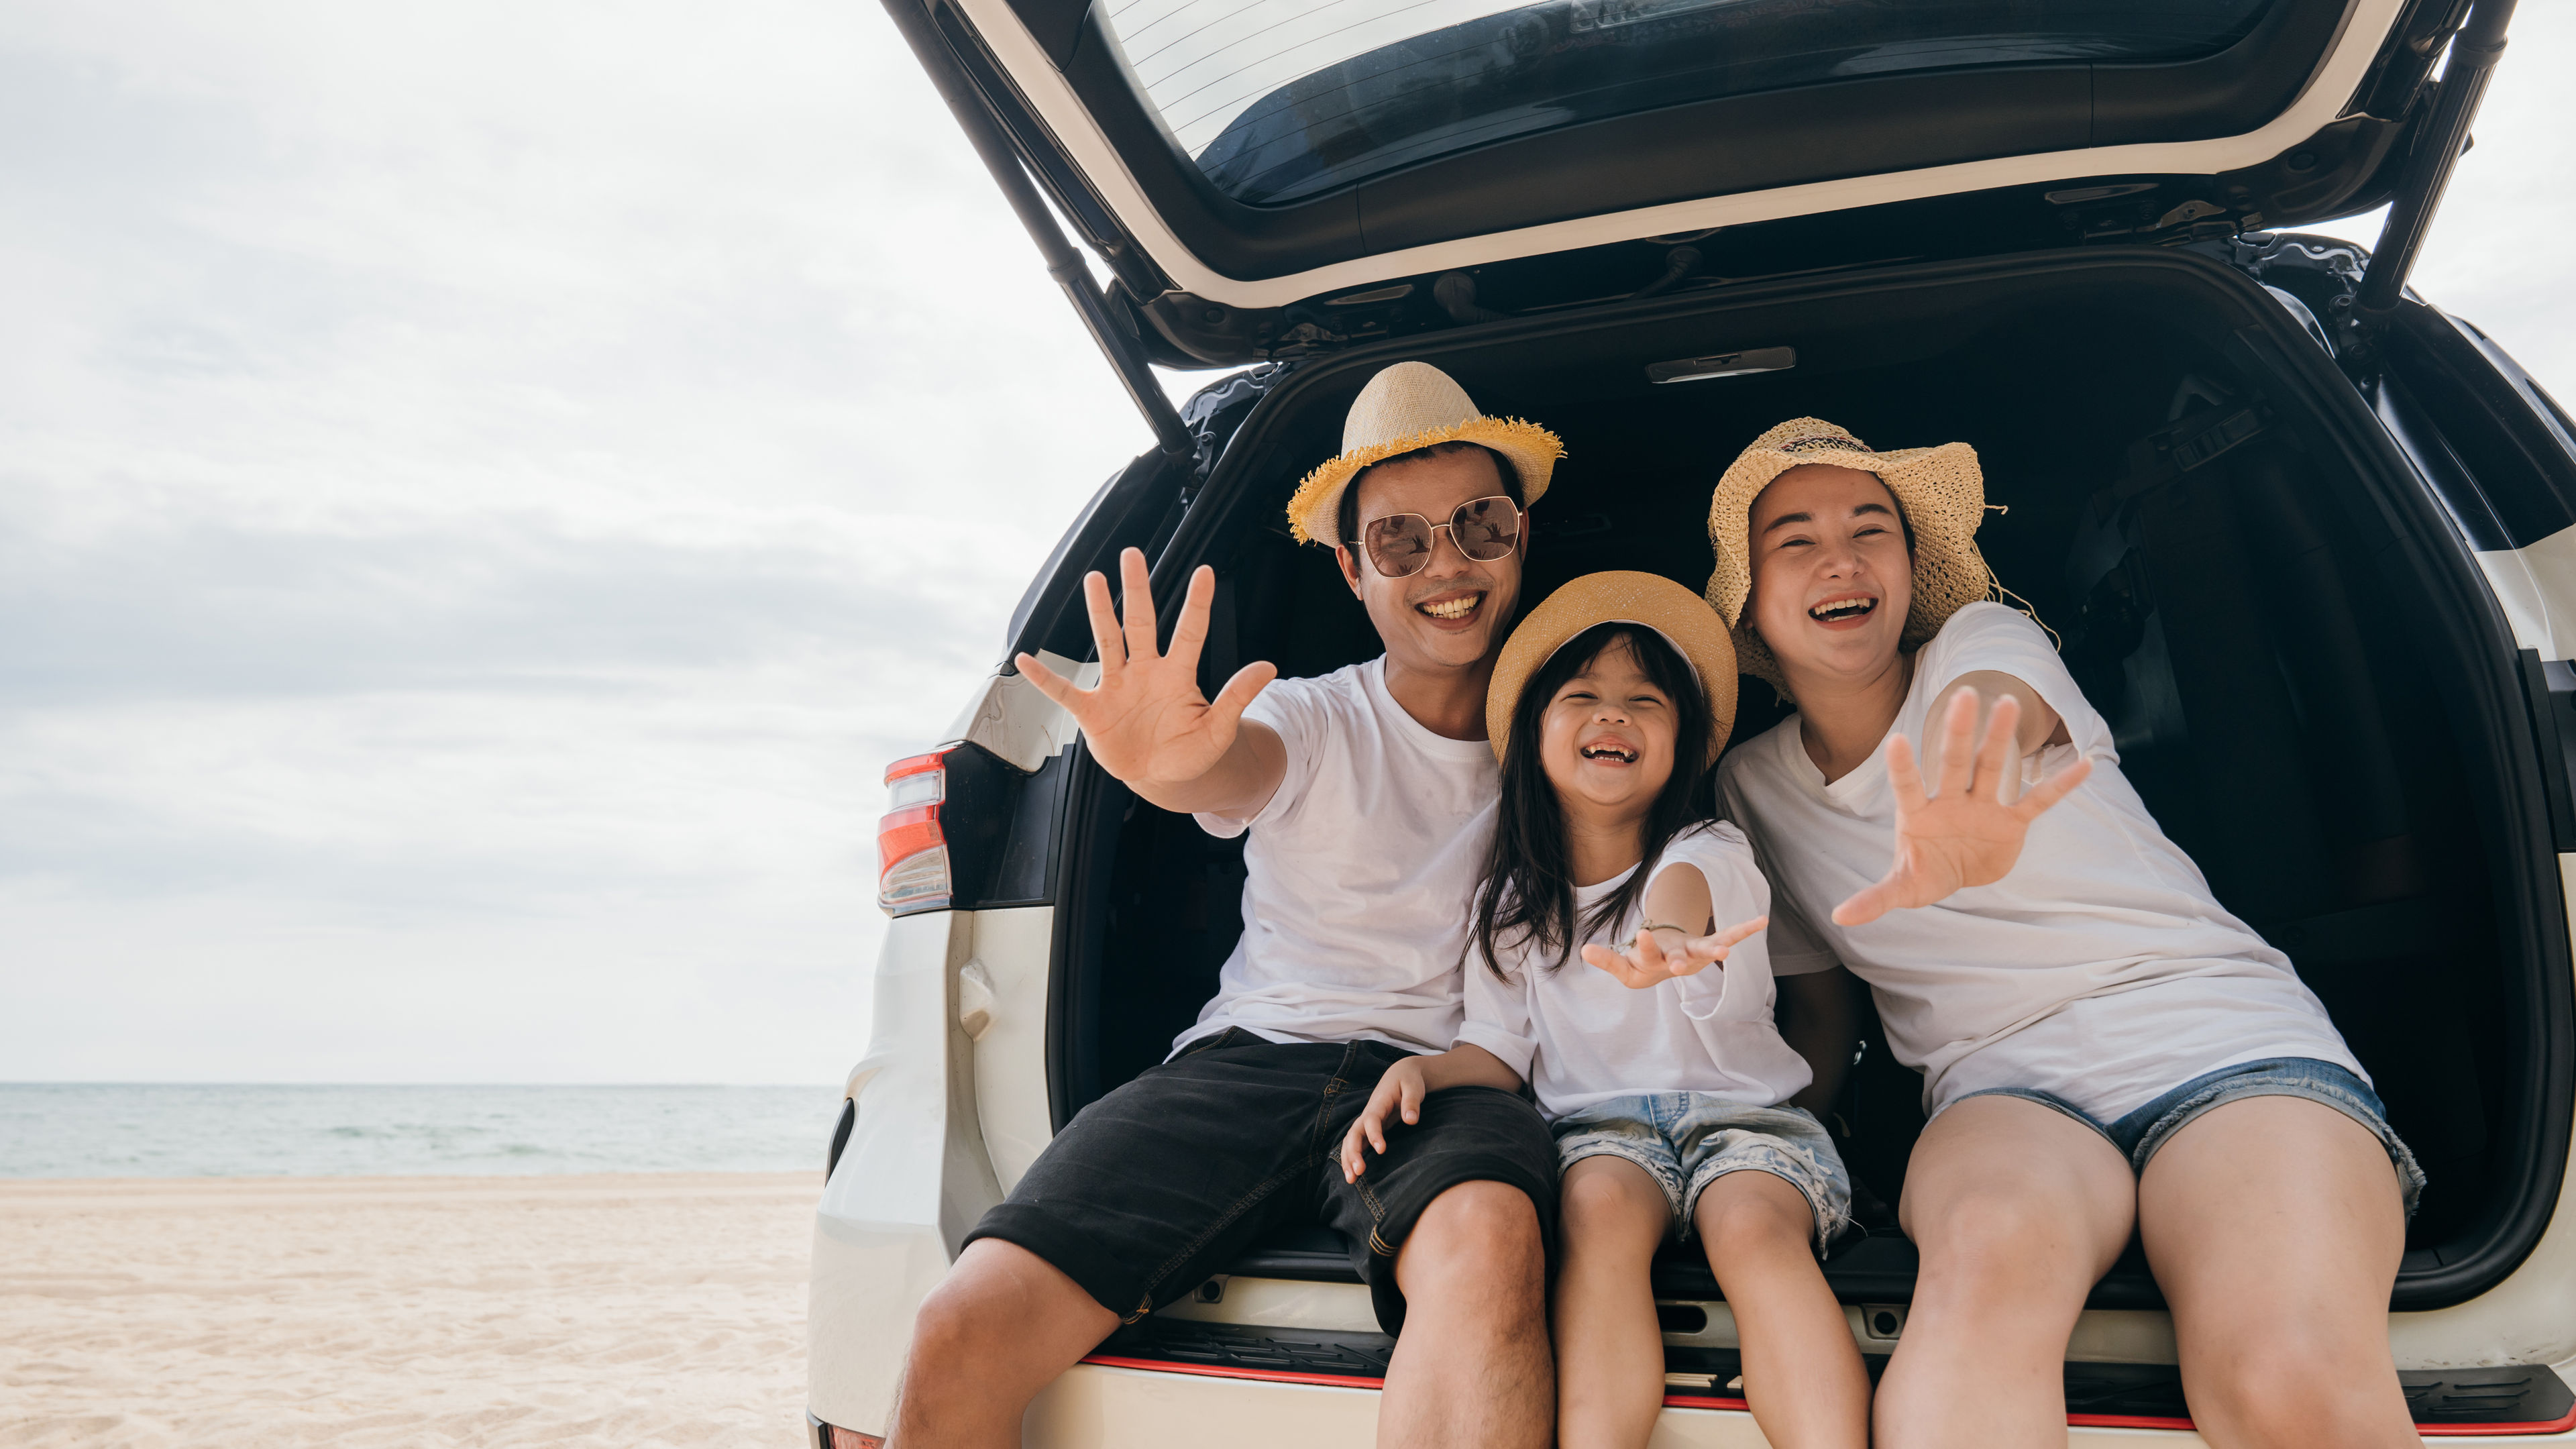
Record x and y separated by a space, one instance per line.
1580 1037
2101 969
1358 871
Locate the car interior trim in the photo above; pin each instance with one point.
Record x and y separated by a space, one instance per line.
2463 626
1050 96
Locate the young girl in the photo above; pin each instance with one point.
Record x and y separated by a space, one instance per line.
1660 1069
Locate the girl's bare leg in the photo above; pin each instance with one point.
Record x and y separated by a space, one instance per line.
2017 1211
1802 1372
1609 1349
2274 1226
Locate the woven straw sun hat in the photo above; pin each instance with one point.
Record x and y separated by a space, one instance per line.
1940 489
1414 405
1617 597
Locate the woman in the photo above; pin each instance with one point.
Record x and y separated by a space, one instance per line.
2104 1048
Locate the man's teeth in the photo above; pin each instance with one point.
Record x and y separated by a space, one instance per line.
1453 608
1843 608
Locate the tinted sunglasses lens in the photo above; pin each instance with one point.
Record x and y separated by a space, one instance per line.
1398 545
1486 529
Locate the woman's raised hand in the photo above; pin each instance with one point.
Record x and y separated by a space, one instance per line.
1644 963
1966 835
1146 722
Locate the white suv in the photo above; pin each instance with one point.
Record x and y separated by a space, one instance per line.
2297 527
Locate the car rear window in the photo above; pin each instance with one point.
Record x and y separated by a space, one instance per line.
1278 101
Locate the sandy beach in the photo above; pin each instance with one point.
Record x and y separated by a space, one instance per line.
604 1310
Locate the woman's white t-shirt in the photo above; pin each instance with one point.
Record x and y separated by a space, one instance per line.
1358 872
1580 1037
2101 969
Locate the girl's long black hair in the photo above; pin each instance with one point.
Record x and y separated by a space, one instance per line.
1528 895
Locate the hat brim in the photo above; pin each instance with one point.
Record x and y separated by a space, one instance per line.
1314 511
1943 492
1617 597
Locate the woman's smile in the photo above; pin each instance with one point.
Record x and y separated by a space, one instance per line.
1845 610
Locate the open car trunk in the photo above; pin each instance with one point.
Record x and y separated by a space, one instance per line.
2310 686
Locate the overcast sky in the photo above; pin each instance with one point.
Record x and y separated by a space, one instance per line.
485 488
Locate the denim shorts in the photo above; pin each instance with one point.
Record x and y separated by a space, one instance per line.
1687 1140
2141 1133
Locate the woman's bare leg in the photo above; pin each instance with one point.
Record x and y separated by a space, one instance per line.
1802 1372
1609 1349
2017 1210
2274 1225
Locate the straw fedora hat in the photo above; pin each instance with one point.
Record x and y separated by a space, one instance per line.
1617 597
1408 406
1942 493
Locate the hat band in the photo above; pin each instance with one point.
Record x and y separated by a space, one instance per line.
1670 642
1844 444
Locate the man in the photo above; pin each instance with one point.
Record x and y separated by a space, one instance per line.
1369 795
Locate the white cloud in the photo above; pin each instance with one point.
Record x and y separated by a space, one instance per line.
483 491
485 487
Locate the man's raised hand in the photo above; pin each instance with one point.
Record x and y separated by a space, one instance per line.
1146 722
1966 835
1644 963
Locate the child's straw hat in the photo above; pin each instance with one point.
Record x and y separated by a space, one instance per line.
1408 406
1942 493
1617 597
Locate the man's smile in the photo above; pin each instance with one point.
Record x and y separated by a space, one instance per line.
1452 609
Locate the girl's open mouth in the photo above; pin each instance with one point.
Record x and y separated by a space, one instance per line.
1609 753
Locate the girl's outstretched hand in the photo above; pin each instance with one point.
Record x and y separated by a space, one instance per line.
1401 1090
1966 835
1644 963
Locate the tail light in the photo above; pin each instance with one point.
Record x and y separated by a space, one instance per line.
852 1439
947 839
912 851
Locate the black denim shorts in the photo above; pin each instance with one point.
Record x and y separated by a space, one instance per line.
1159 1184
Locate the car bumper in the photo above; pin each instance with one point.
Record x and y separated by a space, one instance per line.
1098 1406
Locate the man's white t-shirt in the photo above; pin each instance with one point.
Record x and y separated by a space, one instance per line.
2101 969
1580 1037
1358 873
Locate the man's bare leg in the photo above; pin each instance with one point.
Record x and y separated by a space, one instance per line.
2274 1225
2017 1211
1471 1367
997 1329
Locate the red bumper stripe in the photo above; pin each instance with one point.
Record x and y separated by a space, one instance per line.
1704 1401
1210 1371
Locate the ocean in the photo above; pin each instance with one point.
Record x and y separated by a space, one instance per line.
153 1130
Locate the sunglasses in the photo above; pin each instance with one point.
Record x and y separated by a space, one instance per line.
1484 529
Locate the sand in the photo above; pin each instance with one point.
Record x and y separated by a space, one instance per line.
623 1310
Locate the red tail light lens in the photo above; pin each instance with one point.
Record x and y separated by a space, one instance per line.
853 1439
912 854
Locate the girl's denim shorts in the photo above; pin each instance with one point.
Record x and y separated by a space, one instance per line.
2139 1134
1687 1140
